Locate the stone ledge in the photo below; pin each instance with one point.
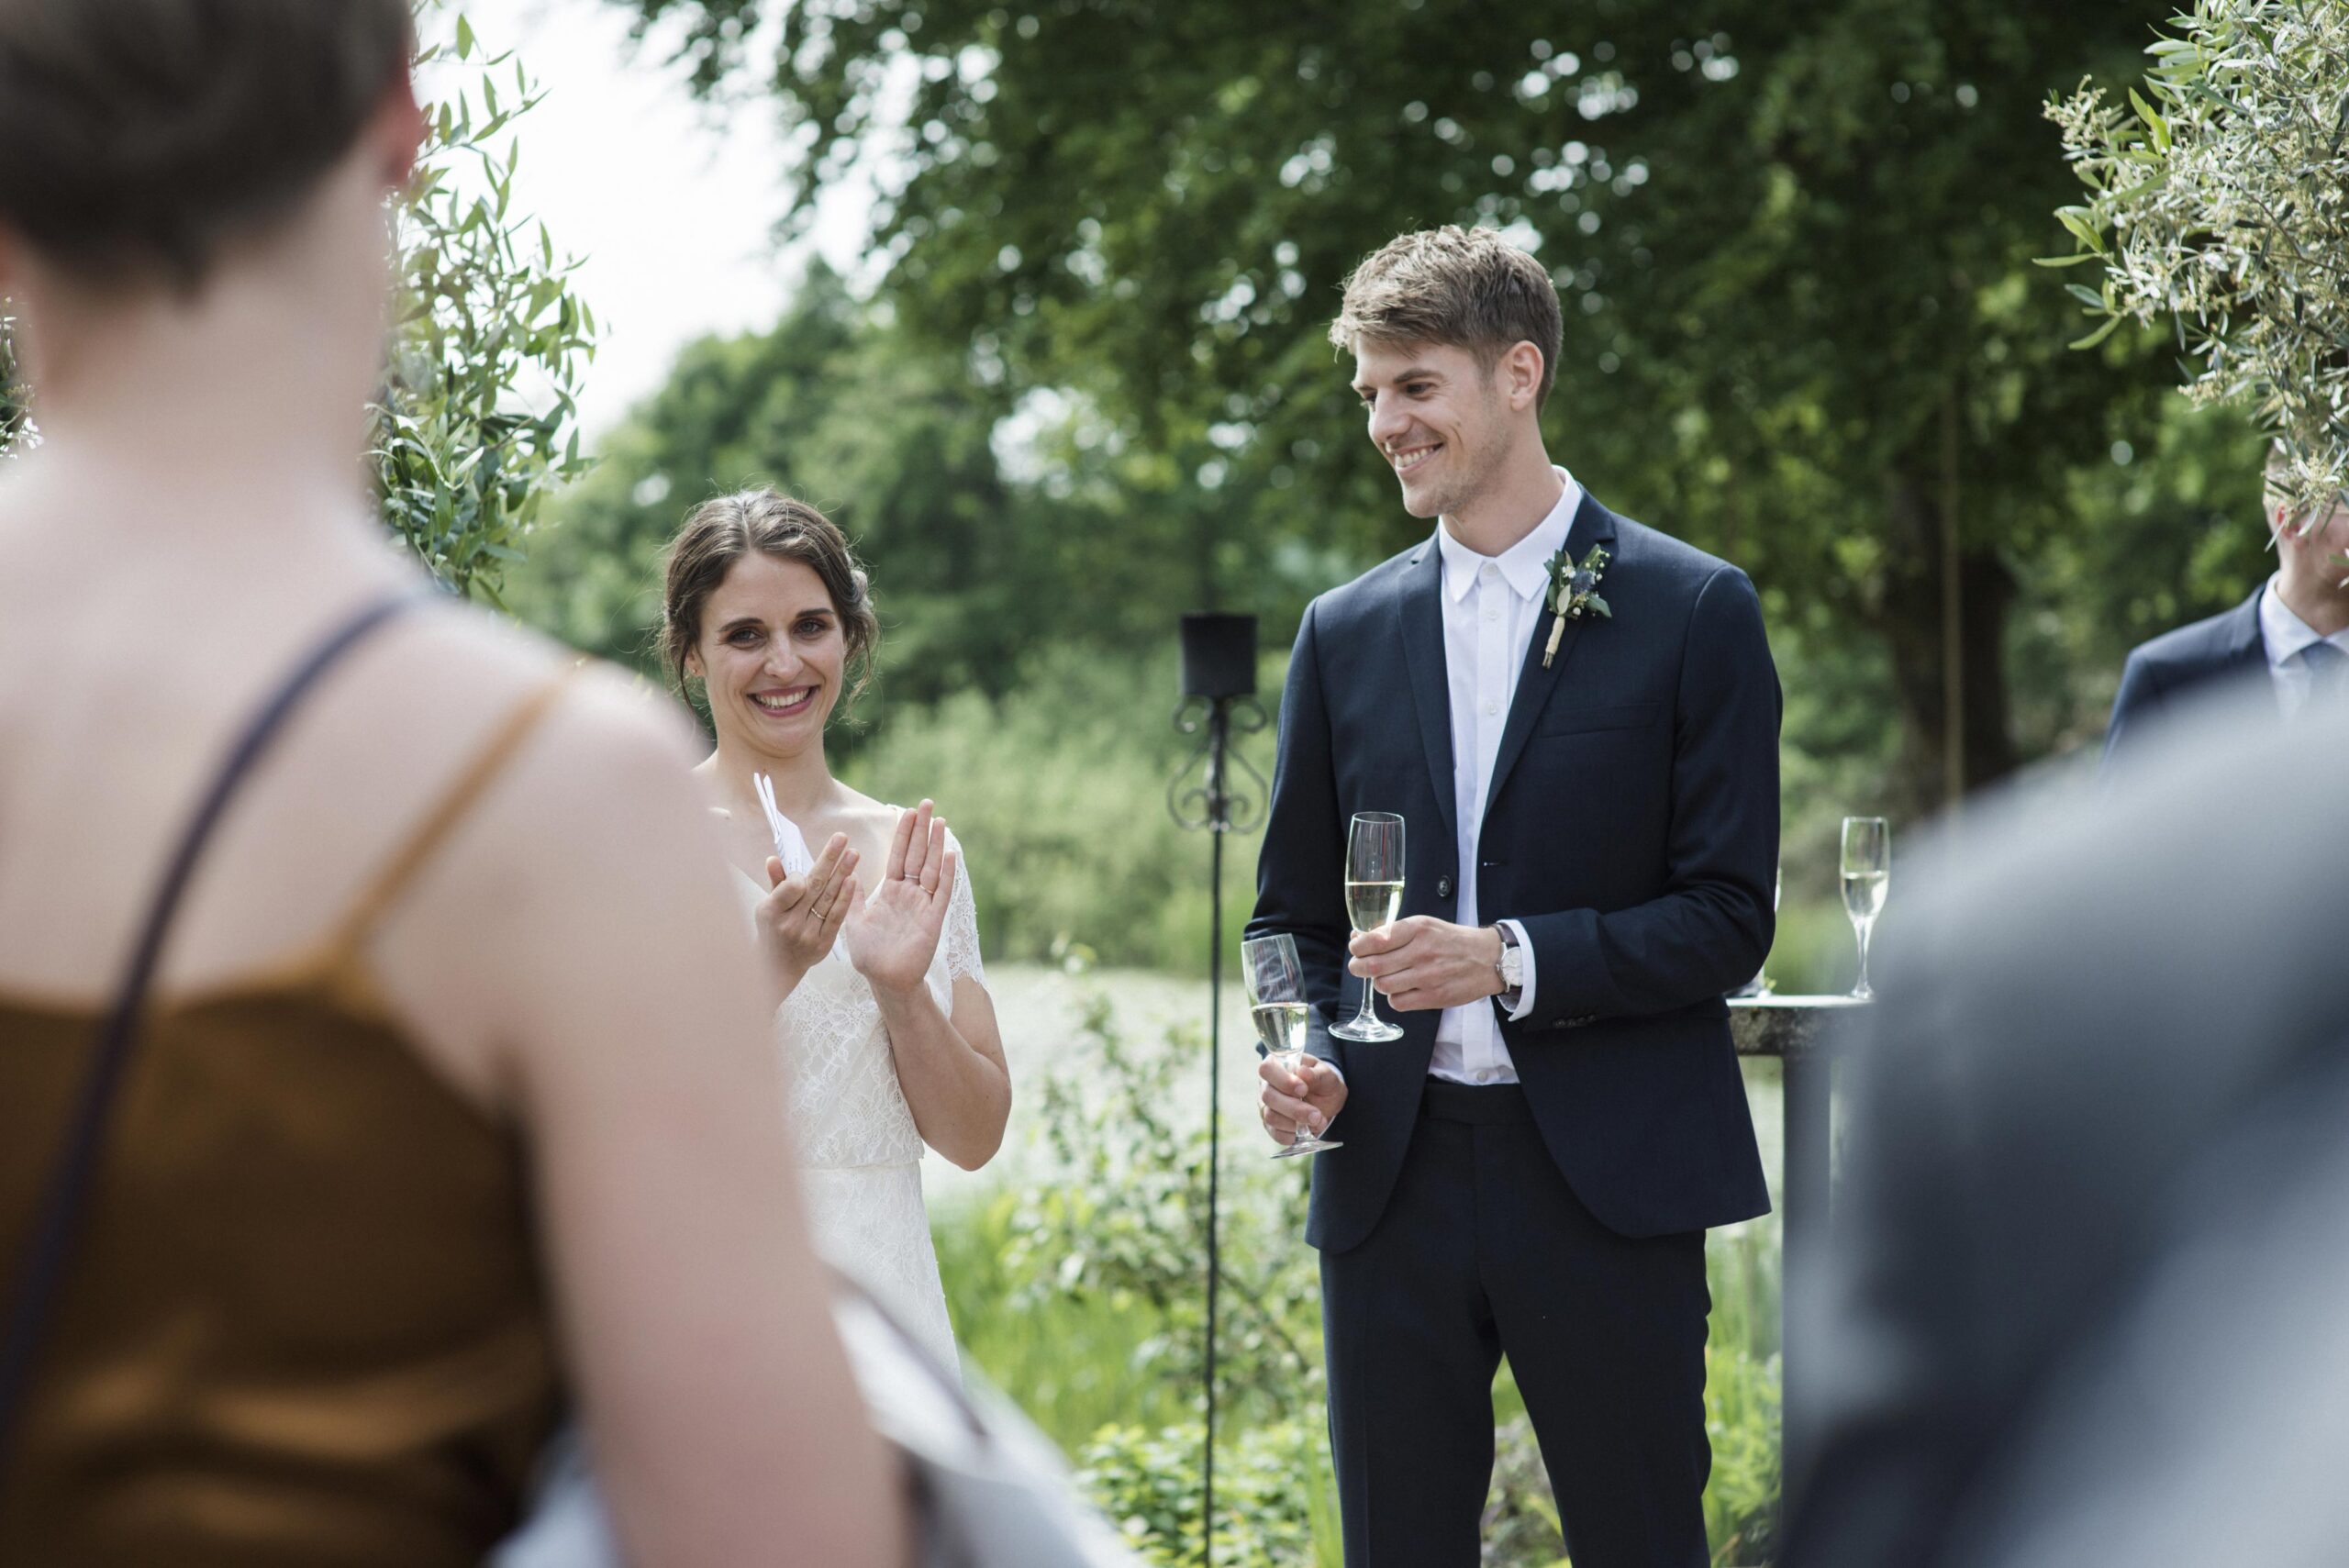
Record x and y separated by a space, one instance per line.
1783 1025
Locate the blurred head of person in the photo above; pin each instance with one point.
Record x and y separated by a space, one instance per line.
1456 334
766 605
158 156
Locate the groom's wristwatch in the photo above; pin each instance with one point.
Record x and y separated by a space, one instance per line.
1510 967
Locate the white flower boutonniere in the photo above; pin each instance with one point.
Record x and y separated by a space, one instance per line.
1572 590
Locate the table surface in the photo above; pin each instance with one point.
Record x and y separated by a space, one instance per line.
1776 1025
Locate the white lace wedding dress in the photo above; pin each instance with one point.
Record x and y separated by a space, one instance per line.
860 1153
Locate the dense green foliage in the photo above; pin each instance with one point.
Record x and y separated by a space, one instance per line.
892 440
488 326
2219 201
1083 1292
1794 242
1055 790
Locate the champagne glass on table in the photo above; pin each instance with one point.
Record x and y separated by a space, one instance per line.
1277 1001
1374 897
1867 872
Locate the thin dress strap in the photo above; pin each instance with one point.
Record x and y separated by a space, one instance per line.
49 1244
410 859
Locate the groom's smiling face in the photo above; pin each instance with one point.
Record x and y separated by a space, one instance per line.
1439 419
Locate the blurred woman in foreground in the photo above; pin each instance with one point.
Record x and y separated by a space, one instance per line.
456 1100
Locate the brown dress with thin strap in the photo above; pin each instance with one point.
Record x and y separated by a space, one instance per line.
306 1321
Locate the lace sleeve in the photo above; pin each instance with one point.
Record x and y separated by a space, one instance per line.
961 938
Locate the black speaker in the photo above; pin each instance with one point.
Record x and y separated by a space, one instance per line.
1219 656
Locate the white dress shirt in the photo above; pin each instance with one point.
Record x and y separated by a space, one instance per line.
2286 637
1490 607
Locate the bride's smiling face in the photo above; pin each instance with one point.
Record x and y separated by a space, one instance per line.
771 653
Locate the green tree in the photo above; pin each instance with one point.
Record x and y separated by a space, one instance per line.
1793 237
475 425
2219 204
895 438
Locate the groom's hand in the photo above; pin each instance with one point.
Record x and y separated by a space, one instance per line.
1420 963
1314 1093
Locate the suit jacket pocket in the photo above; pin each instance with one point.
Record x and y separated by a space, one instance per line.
1578 720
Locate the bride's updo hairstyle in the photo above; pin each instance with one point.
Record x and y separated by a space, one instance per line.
720 532
140 136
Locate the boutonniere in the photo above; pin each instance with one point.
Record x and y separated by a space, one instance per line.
1573 589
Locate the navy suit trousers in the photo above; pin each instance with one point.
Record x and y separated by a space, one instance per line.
1484 1251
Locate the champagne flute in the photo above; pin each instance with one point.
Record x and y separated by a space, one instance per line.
1374 897
1277 1001
1867 872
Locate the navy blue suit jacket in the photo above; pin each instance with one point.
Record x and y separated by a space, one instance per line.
1631 826
2180 669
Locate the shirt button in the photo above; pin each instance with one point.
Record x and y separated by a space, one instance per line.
1489 570
1492 707
1492 614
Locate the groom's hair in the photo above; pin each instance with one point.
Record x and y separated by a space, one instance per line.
140 136
1462 288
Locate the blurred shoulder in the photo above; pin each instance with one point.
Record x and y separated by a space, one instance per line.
2130 923
607 745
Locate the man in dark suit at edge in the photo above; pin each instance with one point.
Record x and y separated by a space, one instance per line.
1592 803
2291 635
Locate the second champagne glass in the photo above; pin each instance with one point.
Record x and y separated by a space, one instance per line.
1374 897
1867 873
1277 1001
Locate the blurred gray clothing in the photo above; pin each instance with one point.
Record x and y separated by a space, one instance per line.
2083 1302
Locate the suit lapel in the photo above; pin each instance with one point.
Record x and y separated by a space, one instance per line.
1593 524
1418 612
2246 648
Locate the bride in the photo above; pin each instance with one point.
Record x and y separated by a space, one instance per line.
886 1025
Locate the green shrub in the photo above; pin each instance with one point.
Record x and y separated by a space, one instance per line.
463 460
1078 1360
1148 1482
1058 794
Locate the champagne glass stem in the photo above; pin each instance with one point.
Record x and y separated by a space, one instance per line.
1366 1014
1863 991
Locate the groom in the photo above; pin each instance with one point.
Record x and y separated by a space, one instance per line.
1592 810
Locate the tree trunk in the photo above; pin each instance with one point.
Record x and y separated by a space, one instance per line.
1910 619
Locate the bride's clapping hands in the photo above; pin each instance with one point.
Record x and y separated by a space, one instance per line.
893 936
801 917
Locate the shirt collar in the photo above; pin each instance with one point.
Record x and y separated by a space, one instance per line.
2284 634
1524 565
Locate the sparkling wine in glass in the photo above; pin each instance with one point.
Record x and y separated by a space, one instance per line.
1867 872
1277 1001
1374 897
